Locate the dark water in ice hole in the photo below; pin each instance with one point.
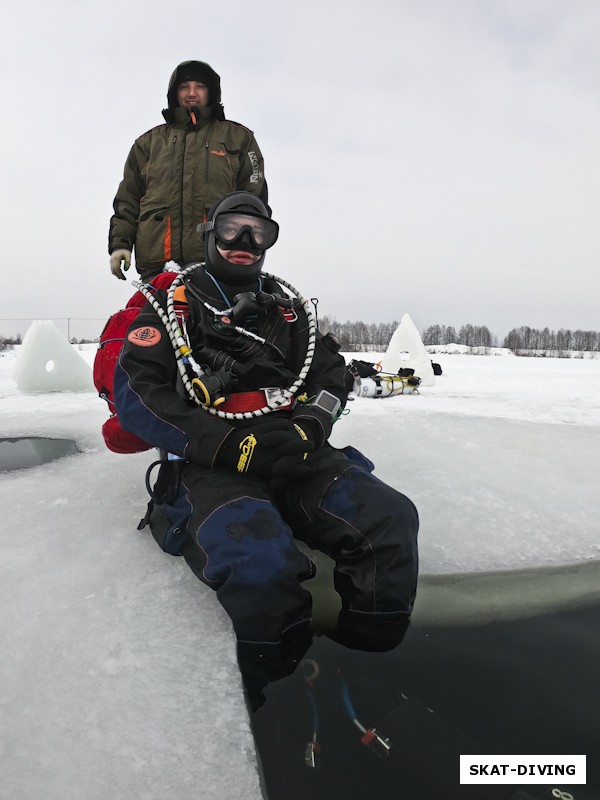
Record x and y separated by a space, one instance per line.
526 687
31 451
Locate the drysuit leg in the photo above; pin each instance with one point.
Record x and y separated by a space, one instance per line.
240 546
370 531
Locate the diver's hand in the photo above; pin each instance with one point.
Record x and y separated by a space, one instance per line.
270 447
296 443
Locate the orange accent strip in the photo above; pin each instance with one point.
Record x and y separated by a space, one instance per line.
167 242
179 295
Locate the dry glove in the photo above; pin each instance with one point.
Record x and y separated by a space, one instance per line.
264 448
295 445
120 258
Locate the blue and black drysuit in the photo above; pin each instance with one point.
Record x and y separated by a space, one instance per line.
237 531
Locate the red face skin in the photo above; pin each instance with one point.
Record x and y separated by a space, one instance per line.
192 94
238 256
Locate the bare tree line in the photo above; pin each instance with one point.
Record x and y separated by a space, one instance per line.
8 341
470 335
359 337
362 337
528 339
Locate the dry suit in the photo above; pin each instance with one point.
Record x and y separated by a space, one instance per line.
237 531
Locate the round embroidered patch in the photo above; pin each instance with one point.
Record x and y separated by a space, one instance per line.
145 337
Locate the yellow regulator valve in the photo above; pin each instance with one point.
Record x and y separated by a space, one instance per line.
209 391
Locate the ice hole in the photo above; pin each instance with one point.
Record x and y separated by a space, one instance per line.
31 451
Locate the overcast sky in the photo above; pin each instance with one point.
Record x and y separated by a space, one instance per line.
435 157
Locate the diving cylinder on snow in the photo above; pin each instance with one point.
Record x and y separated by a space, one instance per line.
384 386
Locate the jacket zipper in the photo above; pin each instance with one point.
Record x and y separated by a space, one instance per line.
174 151
181 201
206 162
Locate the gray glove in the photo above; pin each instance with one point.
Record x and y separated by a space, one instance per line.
120 258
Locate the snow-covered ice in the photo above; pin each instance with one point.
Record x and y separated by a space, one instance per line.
118 676
499 457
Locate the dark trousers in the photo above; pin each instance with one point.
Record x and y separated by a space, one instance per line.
240 542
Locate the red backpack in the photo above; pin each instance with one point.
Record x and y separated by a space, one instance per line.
111 341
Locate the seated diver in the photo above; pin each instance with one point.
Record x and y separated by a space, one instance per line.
251 425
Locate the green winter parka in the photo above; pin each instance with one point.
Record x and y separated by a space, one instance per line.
172 176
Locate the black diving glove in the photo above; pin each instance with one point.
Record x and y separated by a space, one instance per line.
267 448
292 457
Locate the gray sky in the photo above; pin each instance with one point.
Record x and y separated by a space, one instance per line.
434 157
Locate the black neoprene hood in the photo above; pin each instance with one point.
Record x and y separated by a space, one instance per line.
219 267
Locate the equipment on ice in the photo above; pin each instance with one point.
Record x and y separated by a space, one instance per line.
367 380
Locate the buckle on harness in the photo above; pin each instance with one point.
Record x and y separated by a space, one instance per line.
276 398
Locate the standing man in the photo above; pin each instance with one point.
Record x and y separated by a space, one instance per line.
176 171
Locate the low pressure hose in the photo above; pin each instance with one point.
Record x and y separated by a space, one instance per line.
183 352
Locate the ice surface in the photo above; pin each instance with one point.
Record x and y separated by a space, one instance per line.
500 457
118 676
48 363
491 493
